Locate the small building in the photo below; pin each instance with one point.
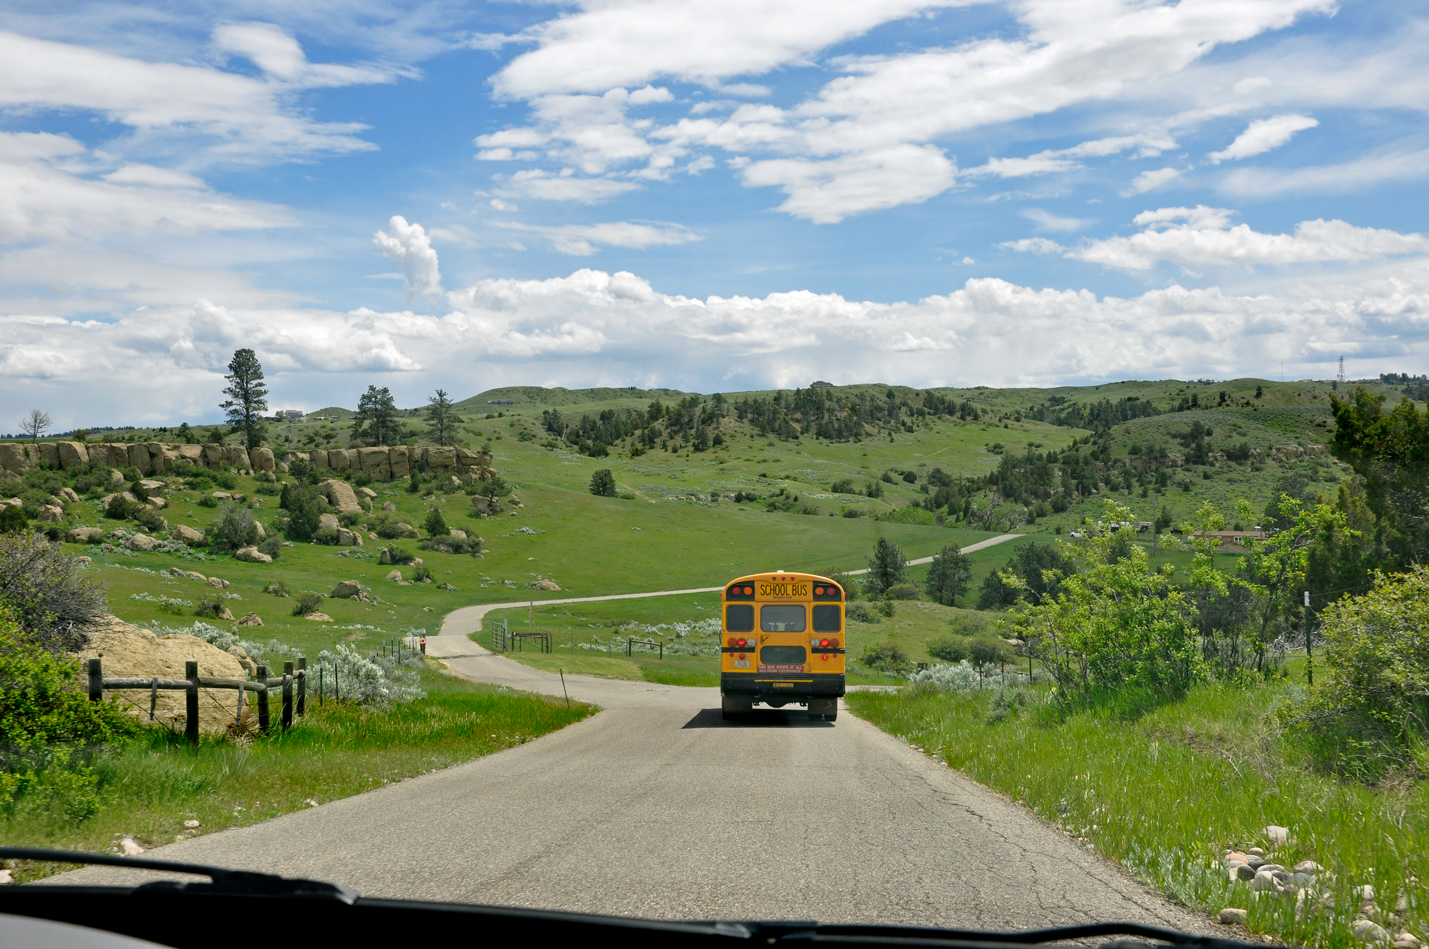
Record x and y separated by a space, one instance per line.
821 384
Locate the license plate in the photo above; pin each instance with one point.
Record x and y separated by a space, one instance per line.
741 663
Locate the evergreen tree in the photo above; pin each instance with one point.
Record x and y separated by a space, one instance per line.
886 568
441 418
247 397
435 524
602 484
948 576
376 420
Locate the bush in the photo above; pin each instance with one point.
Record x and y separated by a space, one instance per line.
307 603
225 480
902 591
422 574
13 520
305 509
149 518
436 525
234 528
209 606
1029 564
328 536
47 591
273 547
886 657
400 556
984 650
49 730
602 483
370 681
119 508
1369 711
207 500
278 588
860 613
949 648
349 518
844 486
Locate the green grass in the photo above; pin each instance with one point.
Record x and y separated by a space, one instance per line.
1163 794
150 787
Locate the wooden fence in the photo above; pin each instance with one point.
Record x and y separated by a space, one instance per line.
292 686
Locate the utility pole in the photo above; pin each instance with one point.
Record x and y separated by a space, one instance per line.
1309 656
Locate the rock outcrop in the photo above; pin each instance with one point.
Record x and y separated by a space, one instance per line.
131 652
341 495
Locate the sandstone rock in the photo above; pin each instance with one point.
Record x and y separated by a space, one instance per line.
1407 940
262 459
1367 930
405 530
189 535
14 458
399 462
157 503
440 457
388 506
417 561
250 619
340 493
85 535
544 584
327 522
1307 866
51 513
1277 835
394 575
251 555
141 542
457 534
129 847
72 455
190 824
385 557
215 582
318 617
130 652
69 495
222 496
347 538
150 485
224 613
337 459
250 668
349 590
262 534
1231 916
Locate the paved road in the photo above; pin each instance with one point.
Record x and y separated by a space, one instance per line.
458 624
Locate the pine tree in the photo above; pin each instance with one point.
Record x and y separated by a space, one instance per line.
247 397
376 420
441 418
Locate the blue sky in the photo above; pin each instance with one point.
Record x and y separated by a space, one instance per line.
704 195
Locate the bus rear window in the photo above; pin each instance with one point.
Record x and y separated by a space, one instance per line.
782 619
782 655
826 618
739 618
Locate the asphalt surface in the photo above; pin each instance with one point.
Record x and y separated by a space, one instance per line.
655 807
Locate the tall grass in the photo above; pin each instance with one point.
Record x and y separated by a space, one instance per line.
1166 792
150 787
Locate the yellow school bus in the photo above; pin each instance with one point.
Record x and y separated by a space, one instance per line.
782 643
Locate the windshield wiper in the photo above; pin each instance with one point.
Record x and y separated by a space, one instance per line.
248 882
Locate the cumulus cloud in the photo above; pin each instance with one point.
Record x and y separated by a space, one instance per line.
1150 181
409 247
597 328
582 240
826 192
1203 236
1262 135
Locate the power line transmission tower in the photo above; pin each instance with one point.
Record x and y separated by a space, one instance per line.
1341 376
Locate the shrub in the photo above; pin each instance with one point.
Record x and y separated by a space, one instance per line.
307 603
602 483
49 729
47 591
119 508
902 591
207 500
234 528
844 580
278 588
349 518
225 480
13 520
436 525
423 573
852 512
369 681
844 486
209 606
149 518
273 547
984 650
949 649
1369 712
327 536
1030 564
385 526
399 555
860 613
304 509
886 657
302 470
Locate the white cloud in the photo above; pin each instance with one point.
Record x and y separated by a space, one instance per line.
581 240
1064 159
1048 221
596 328
1262 135
535 183
408 246
240 118
1150 180
1034 245
605 45
500 205
1353 175
1204 237
826 192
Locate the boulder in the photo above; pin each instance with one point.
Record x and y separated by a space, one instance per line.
72 455
368 493
318 617
189 535
236 456
457 534
250 668
224 614
141 542
384 557
222 496
250 619
544 584
215 582
262 534
262 459
440 457
388 506
337 459
347 538
399 462
157 503
49 454
1232 916
14 458
51 513
116 478
1277 835
69 495
394 575
251 555
1367 930
86 535
130 652
349 590
340 493
406 530
375 462
137 456
150 485
328 522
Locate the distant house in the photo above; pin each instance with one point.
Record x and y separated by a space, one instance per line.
1235 540
821 385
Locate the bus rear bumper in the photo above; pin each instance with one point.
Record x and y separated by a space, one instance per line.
782 688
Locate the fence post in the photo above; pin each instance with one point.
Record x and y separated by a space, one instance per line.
302 685
287 695
263 700
96 680
191 701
